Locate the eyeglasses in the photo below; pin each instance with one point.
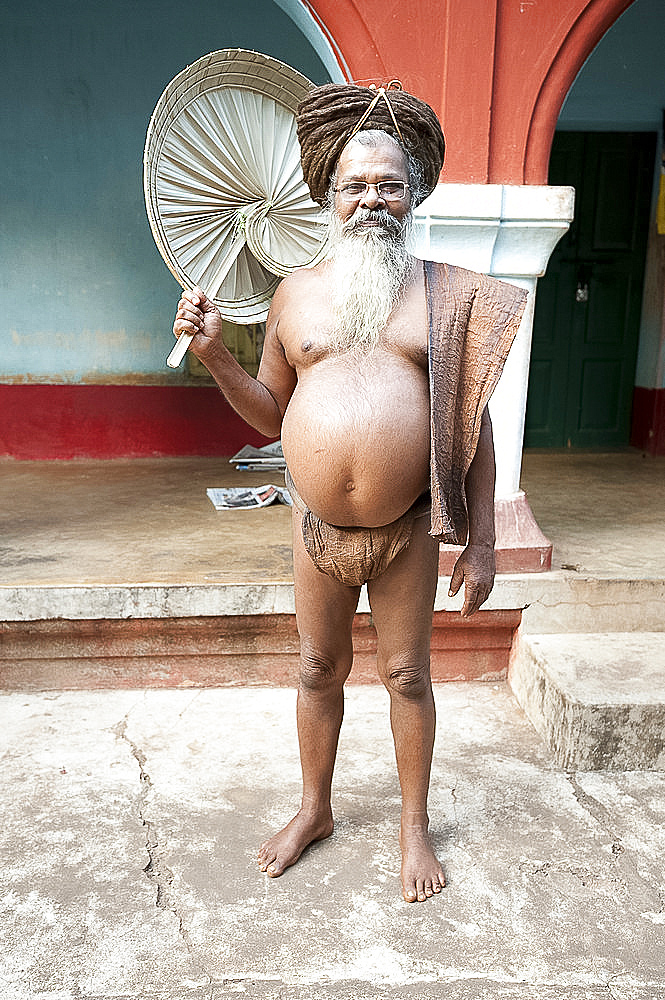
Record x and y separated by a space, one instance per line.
386 190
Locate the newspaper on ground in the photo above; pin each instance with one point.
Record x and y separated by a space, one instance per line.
244 498
250 459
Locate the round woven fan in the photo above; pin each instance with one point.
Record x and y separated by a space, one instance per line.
224 191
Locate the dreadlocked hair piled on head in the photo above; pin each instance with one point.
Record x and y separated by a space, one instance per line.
328 115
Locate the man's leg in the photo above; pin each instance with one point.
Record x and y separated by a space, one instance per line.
324 614
402 602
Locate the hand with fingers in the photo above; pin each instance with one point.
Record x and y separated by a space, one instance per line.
476 568
198 317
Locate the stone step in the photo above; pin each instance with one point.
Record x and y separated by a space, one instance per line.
561 601
598 699
214 651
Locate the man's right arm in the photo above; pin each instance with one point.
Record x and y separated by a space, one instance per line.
261 401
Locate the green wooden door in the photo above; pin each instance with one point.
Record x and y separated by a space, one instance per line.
587 315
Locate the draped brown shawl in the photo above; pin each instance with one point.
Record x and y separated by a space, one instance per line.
473 320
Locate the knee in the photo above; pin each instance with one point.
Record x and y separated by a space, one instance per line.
320 670
407 677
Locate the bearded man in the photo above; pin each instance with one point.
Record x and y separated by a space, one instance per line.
376 371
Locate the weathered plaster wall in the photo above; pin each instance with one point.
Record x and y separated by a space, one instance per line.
83 291
622 84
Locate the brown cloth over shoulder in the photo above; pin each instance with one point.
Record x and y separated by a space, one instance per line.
473 320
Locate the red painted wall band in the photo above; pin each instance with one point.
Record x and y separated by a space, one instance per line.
648 424
46 422
118 421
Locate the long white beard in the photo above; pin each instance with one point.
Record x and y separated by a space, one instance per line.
369 270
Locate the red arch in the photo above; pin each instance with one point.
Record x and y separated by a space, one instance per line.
495 71
342 21
588 29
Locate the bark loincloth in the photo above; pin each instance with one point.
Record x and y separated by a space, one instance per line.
473 320
354 555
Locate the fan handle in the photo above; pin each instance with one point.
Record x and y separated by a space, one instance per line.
179 349
185 339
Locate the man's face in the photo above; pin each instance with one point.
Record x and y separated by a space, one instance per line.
371 164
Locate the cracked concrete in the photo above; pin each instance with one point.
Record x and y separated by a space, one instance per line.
131 821
77 912
157 870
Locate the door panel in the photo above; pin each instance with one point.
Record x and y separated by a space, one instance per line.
609 290
599 396
587 315
613 220
546 402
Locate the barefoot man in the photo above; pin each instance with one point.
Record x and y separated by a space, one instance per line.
376 371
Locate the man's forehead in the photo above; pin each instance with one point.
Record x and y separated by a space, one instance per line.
359 156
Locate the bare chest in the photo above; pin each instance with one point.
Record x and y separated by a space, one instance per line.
306 332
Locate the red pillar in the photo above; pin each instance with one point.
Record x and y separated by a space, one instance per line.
495 71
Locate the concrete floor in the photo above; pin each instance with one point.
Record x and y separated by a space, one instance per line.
604 513
131 821
150 521
135 521
131 818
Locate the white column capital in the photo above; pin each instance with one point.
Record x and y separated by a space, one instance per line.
507 230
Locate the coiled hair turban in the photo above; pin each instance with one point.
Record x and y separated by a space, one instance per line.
329 116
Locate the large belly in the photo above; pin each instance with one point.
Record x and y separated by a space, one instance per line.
357 442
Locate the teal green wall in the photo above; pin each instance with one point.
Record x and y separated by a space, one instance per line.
83 291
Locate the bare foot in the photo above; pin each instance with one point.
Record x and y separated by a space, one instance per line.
422 875
283 850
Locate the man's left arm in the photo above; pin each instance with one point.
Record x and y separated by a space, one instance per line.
476 565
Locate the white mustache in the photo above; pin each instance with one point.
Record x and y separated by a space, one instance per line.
385 220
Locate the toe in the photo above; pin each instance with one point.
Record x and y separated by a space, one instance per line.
410 894
265 857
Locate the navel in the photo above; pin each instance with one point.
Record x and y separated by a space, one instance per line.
350 486
307 345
